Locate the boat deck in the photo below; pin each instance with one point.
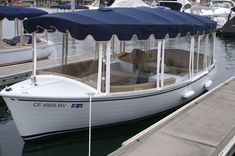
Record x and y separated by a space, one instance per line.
205 126
15 73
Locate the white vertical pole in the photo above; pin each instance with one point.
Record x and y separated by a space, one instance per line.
46 33
112 47
198 51
16 27
191 57
34 54
192 53
159 50
21 33
1 34
99 79
34 3
34 51
63 49
107 85
124 46
66 47
206 49
213 54
90 104
163 63
72 5
120 46
190 62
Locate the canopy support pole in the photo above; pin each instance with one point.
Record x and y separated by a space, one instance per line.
96 50
16 27
66 47
206 49
192 55
213 54
99 78
158 61
34 50
21 33
46 34
163 63
63 49
108 51
72 5
1 34
191 58
198 51
112 47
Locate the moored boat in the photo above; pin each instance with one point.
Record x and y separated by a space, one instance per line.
134 70
228 29
21 44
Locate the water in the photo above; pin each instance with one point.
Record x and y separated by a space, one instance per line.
104 140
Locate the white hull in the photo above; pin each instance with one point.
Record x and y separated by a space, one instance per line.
22 54
37 117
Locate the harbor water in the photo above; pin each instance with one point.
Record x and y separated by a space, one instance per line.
106 139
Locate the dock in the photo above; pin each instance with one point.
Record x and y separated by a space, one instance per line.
205 126
14 73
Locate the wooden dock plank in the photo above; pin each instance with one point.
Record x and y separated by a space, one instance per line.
203 127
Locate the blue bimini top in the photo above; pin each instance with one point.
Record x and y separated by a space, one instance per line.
102 24
13 12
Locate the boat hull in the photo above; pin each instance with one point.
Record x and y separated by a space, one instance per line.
23 54
38 117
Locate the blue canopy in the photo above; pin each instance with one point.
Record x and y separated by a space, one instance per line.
68 6
12 12
124 23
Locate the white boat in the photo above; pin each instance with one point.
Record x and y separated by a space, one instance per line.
129 3
178 5
18 49
229 4
228 29
218 10
133 72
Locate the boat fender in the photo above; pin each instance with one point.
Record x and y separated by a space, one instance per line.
188 94
208 84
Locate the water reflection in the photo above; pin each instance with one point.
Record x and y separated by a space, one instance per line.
104 140
225 59
11 144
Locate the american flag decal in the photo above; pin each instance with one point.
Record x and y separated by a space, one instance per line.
76 105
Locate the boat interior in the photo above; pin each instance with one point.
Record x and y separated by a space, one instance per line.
122 66
130 71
